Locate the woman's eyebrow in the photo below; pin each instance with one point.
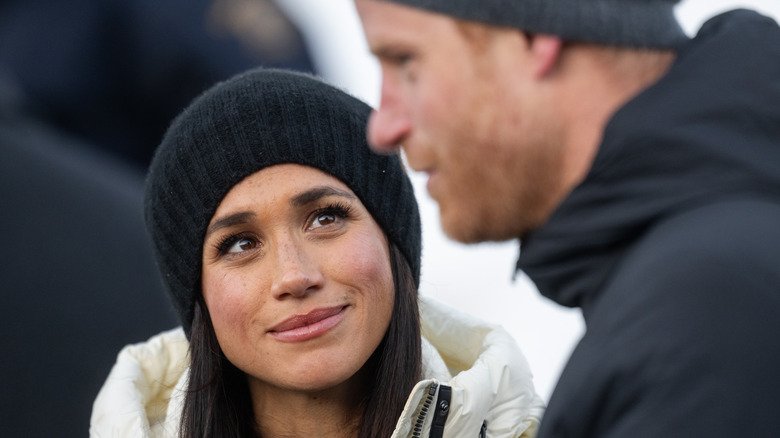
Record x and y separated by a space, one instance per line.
230 220
316 193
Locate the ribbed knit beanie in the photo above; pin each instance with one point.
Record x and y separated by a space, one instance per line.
247 123
631 23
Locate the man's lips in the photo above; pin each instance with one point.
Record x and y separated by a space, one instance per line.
311 325
420 168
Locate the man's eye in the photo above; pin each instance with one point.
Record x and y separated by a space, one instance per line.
402 59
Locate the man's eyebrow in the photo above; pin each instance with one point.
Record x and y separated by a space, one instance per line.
381 51
230 220
388 51
316 193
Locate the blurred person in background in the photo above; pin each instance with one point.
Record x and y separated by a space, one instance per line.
640 170
86 90
292 253
77 272
114 73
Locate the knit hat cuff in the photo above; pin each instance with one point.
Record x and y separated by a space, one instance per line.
632 23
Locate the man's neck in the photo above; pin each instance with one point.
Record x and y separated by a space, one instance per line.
602 80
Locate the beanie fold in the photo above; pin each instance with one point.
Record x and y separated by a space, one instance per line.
631 23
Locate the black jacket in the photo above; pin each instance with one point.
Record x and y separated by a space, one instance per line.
671 247
77 275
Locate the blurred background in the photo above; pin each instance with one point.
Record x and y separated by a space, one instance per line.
87 88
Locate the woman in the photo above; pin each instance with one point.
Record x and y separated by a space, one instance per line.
292 255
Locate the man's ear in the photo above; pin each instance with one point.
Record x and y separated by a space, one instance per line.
545 52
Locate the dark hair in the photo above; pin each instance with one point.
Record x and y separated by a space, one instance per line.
217 402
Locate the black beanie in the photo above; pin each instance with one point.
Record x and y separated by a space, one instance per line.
631 23
250 122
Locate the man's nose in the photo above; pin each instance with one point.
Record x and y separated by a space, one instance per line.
388 125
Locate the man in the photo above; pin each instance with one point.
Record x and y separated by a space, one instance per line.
641 172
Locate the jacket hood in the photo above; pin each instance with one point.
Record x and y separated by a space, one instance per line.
492 383
142 395
708 130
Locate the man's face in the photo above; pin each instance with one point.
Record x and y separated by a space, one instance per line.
462 102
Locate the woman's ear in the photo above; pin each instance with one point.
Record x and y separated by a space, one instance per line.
545 53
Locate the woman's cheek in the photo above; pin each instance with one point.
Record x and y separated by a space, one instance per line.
225 295
367 261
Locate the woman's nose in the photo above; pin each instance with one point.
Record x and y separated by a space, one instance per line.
297 272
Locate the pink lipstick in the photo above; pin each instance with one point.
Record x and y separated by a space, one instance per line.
301 328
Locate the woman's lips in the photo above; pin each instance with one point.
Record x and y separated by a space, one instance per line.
301 328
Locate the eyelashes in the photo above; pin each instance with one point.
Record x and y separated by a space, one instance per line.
338 210
224 245
320 220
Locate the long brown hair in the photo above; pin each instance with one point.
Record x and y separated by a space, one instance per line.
217 402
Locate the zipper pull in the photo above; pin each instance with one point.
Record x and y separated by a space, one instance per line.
442 410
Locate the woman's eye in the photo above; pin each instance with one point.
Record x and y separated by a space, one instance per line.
329 216
240 245
324 219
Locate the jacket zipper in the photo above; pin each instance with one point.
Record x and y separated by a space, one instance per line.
441 411
418 422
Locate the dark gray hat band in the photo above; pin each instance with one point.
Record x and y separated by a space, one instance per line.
633 23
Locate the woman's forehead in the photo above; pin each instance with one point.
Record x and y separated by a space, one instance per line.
288 178
288 183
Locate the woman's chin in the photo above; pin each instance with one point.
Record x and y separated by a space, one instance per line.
315 379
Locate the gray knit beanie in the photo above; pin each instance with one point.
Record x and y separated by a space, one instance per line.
252 121
632 23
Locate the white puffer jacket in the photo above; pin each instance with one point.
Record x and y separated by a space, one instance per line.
491 393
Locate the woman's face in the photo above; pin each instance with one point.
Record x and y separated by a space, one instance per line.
297 279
